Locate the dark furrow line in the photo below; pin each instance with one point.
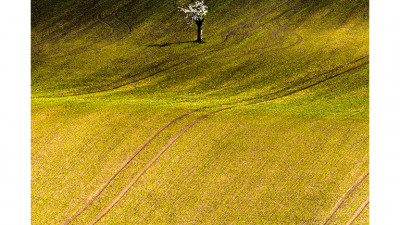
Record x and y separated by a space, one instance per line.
144 169
140 79
186 60
96 23
269 48
81 22
68 28
176 178
358 212
124 164
81 49
346 196
98 40
256 19
312 85
124 22
276 18
180 133
280 203
318 76
115 15
252 207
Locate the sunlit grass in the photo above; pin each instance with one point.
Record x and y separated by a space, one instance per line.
287 158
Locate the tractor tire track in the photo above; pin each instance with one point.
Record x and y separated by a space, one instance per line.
98 22
180 133
217 50
270 48
314 84
358 212
124 164
139 73
298 83
281 187
107 17
170 67
144 169
85 49
129 27
111 31
174 180
254 20
165 147
276 18
346 196
123 22
173 139
68 29
294 185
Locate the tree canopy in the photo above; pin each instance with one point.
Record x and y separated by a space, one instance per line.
195 12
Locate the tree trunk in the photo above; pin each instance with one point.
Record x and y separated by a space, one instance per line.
199 30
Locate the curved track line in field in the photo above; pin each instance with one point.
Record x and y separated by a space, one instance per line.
124 164
98 40
107 24
314 84
87 28
82 48
68 29
157 72
144 169
174 180
293 186
180 133
346 196
179 63
172 140
256 19
109 16
143 78
276 18
123 22
85 48
115 14
359 210
99 21
270 48
318 76
216 50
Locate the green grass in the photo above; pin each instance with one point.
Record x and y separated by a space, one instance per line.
295 141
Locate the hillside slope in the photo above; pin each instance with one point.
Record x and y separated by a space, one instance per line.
264 123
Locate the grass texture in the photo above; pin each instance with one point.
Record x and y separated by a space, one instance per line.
264 123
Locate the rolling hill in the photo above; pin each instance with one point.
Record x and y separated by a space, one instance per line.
267 122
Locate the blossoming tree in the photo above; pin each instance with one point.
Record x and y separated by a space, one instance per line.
195 13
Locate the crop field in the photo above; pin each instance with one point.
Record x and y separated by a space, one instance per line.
265 122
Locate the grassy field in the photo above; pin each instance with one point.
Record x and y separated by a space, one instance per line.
264 123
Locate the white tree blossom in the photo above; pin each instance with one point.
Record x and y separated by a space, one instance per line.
195 12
